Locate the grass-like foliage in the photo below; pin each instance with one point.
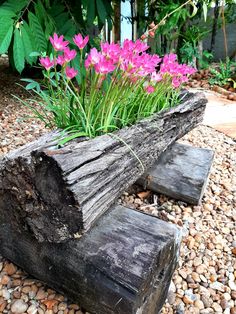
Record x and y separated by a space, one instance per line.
113 88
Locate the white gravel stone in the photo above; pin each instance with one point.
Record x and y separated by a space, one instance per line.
19 307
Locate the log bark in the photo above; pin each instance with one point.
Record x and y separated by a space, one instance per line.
60 193
122 265
181 172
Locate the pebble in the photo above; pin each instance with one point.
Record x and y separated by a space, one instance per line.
217 308
217 286
207 301
32 309
10 269
19 307
233 310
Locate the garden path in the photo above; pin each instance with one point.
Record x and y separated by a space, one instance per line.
220 113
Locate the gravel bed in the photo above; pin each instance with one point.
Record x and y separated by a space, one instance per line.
205 281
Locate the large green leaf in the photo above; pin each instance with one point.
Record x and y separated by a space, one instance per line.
27 44
102 13
91 11
6 13
37 32
40 12
32 43
14 5
18 51
68 29
6 30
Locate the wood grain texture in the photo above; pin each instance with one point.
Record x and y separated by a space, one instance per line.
58 193
180 172
123 265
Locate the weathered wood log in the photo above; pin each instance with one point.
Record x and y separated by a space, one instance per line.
58 193
123 265
180 172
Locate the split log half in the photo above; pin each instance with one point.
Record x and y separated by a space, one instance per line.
121 266
60 193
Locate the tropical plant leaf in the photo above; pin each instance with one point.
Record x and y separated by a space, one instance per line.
49 26
91 11
68 29
6 30
6 13
18 51
40 12
56 9
102 13
14 5
37 32
61 19
32 42
27 44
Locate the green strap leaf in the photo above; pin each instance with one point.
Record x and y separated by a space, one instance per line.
18 51
6 30
205 9
195 9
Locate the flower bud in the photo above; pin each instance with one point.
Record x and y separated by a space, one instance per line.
143 37
152 34
152 25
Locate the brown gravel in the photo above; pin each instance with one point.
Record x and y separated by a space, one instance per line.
205 281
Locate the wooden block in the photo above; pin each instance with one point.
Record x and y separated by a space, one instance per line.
59 192
181 172
122 265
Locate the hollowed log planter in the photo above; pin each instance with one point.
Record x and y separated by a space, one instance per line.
58 194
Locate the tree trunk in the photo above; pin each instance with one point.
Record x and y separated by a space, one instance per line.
215 24
60 193
116 23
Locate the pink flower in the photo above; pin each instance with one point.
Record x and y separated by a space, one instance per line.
71 72
111 51
46 62
149 89
93 58
57 42
176 82
80 42
69 54
104 67
156 77
61 60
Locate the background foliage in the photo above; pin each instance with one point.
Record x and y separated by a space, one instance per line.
26 25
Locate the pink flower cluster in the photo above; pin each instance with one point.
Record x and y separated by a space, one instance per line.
135 63
59 44
131 60
178 72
